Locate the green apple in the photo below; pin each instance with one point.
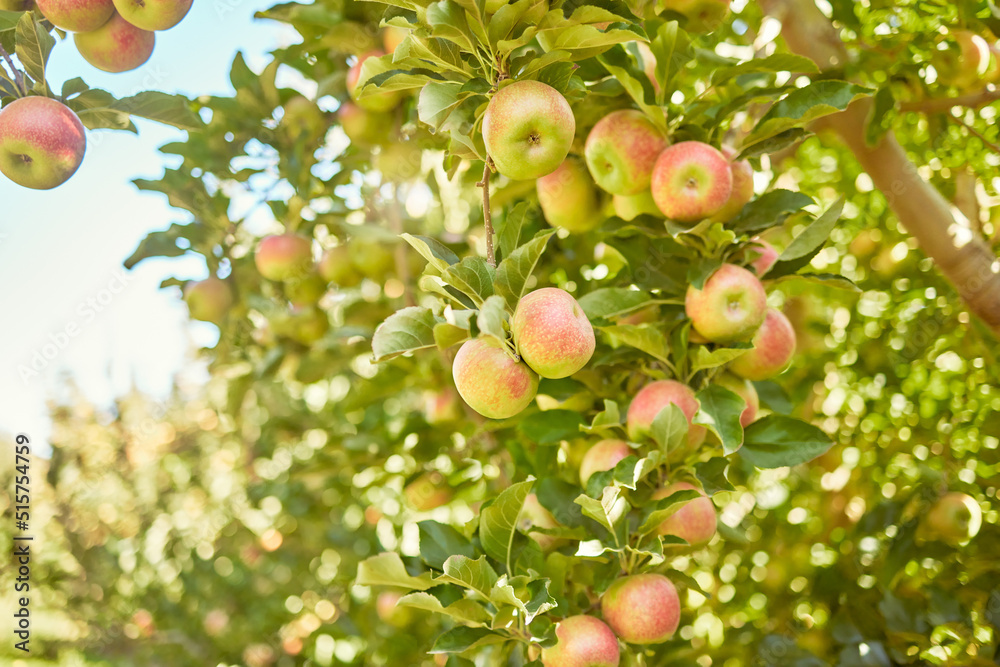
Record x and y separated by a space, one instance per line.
654 397
729 307
153 14
335 267
621 151
399 161
364 128
208 300
695 522
691 181
76 15
490 381
955 519
303 119
569 198
629 207
42 142
774 345
117 46
306 291
378 101
373 259
582 641
642 608
604 455
702 15
552 333
284 258
528 129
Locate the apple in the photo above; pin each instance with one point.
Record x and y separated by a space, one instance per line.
642 608
441 406
691 181
955 518
694 522
153 14
117 46
42 142
428 491
284 257
648 64
307 325
399 161
303 119
965 61
582 641
742 187
767 255
208 300
306 291
552 333
490 381
646 315
621 151
745 390
528 129
568 197
774 345
373 259
604 455
386 606
702 15
729 307
534 514
379 101
654 397
392 37
75 15
363 127
335 267
629 207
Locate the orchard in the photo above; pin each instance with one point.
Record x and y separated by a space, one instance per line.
582 334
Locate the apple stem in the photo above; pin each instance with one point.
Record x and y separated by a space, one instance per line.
487 215
18 76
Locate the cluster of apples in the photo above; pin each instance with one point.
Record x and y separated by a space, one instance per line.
114 35
367 121
553 338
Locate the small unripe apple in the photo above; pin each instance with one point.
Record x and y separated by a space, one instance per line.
117 46
774 345
642 608
629 207
965 62
569 198
399 161
742 187
955 519
604 455
552 333
284 257
582 641
306 291
303 119
766 257
621 151
76 15
729 307
745 390
373 259
42 142
153 14
393 36
363 127
307 325
335 266
208 300
534 514
428 491
691 181
379 101
654 397
386 606
528 129
694 522
702 15
490 381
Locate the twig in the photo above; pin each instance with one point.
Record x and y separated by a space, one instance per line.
941 104
15 72
487 215
976 133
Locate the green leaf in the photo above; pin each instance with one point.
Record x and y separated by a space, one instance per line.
447 334
815 235
769 210
712 475
473 277
778 62
804 105
645 337
512 226
705 358
436 102
612 301
463 638
777 441
476 575
406 330
439 541
670 429
513 273
720 411
498 522
551 426
664 508
825 279
9 20
773 397
387 569
33 44
448 21
491 318
436 253
672 49
464 611
701 270
608 511
162 107
617 61
608 418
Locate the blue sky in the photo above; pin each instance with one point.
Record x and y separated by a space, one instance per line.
70 306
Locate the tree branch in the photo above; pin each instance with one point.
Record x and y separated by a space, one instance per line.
943 104
15 72
976 133
962 256
487 214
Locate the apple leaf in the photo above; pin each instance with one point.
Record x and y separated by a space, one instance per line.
465 611
720 412
608 511
815 235
662 509
804 105
512 227
33 44
164 108
778 62
777 441
712 475
705 358
439 541
492 315
436 253
608 418
769 210
670 429
473 277
404 331
551 426
9 20
514 272
463 638
387 569
618 62
475 574
498 522
672 49
612 301
645 337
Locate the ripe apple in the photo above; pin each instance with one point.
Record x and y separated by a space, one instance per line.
621 151
208 300
702 15
654 397
380 101
373 259
729 307
302 119
393 36
490 381
428 491
117 46
568 197
774 345
363 127
742 187
766 257
965 61
153 14
284 258
528 128
386 606
642 608
534 514
955 518
441 406
42 142
75 15
691 181
604 455
582 641
745 390
552 333
694 522
335 267
629 207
